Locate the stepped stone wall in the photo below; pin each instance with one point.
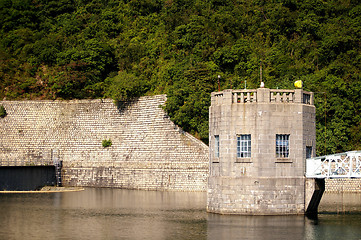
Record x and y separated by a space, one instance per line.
148 151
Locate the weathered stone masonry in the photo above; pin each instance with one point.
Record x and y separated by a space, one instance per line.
343 185
148 151
263 182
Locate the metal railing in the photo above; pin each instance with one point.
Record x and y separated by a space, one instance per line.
58 164
341 165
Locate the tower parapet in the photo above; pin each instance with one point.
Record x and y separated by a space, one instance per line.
262 95
259 140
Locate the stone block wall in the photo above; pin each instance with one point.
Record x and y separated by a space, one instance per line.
343 185
148 151
256 195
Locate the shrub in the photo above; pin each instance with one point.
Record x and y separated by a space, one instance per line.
106 143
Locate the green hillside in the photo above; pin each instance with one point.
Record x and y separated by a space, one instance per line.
68 49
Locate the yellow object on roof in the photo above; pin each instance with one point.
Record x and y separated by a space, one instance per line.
298 84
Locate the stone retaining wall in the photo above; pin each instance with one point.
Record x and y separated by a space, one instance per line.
343 185
148 151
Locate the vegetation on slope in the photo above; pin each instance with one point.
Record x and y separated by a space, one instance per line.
68 49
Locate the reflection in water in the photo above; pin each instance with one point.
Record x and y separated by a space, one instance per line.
138 214
255 227
103 214
128 214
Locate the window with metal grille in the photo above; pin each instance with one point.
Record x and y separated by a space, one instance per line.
244 146
216 146
282 145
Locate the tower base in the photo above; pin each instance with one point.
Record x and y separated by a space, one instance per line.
256 196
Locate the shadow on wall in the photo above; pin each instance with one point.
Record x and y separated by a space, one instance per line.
26 178
123 105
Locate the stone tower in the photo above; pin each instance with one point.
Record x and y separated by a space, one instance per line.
259 140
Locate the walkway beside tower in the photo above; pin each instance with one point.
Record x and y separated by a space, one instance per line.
345 165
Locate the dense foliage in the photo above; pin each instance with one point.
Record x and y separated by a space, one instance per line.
122 49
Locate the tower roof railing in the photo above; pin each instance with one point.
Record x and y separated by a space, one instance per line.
264 95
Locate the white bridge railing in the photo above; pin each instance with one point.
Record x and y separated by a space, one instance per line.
341 165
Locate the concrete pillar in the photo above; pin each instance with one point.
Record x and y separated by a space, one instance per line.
213 99
312 98
298 95
263 95
227 96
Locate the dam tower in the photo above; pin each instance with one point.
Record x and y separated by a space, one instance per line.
259 140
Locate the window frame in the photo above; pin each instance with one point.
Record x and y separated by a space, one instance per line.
282 150
216 146
244 146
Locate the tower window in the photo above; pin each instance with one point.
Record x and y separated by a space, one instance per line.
282 145
308 151
244 146
216 146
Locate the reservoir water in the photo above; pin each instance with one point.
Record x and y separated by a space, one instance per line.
98 213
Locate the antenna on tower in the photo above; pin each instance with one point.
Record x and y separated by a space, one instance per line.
260 74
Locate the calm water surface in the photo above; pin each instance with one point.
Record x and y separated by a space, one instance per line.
126 214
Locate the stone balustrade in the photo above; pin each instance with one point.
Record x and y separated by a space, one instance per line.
280 95
246 96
